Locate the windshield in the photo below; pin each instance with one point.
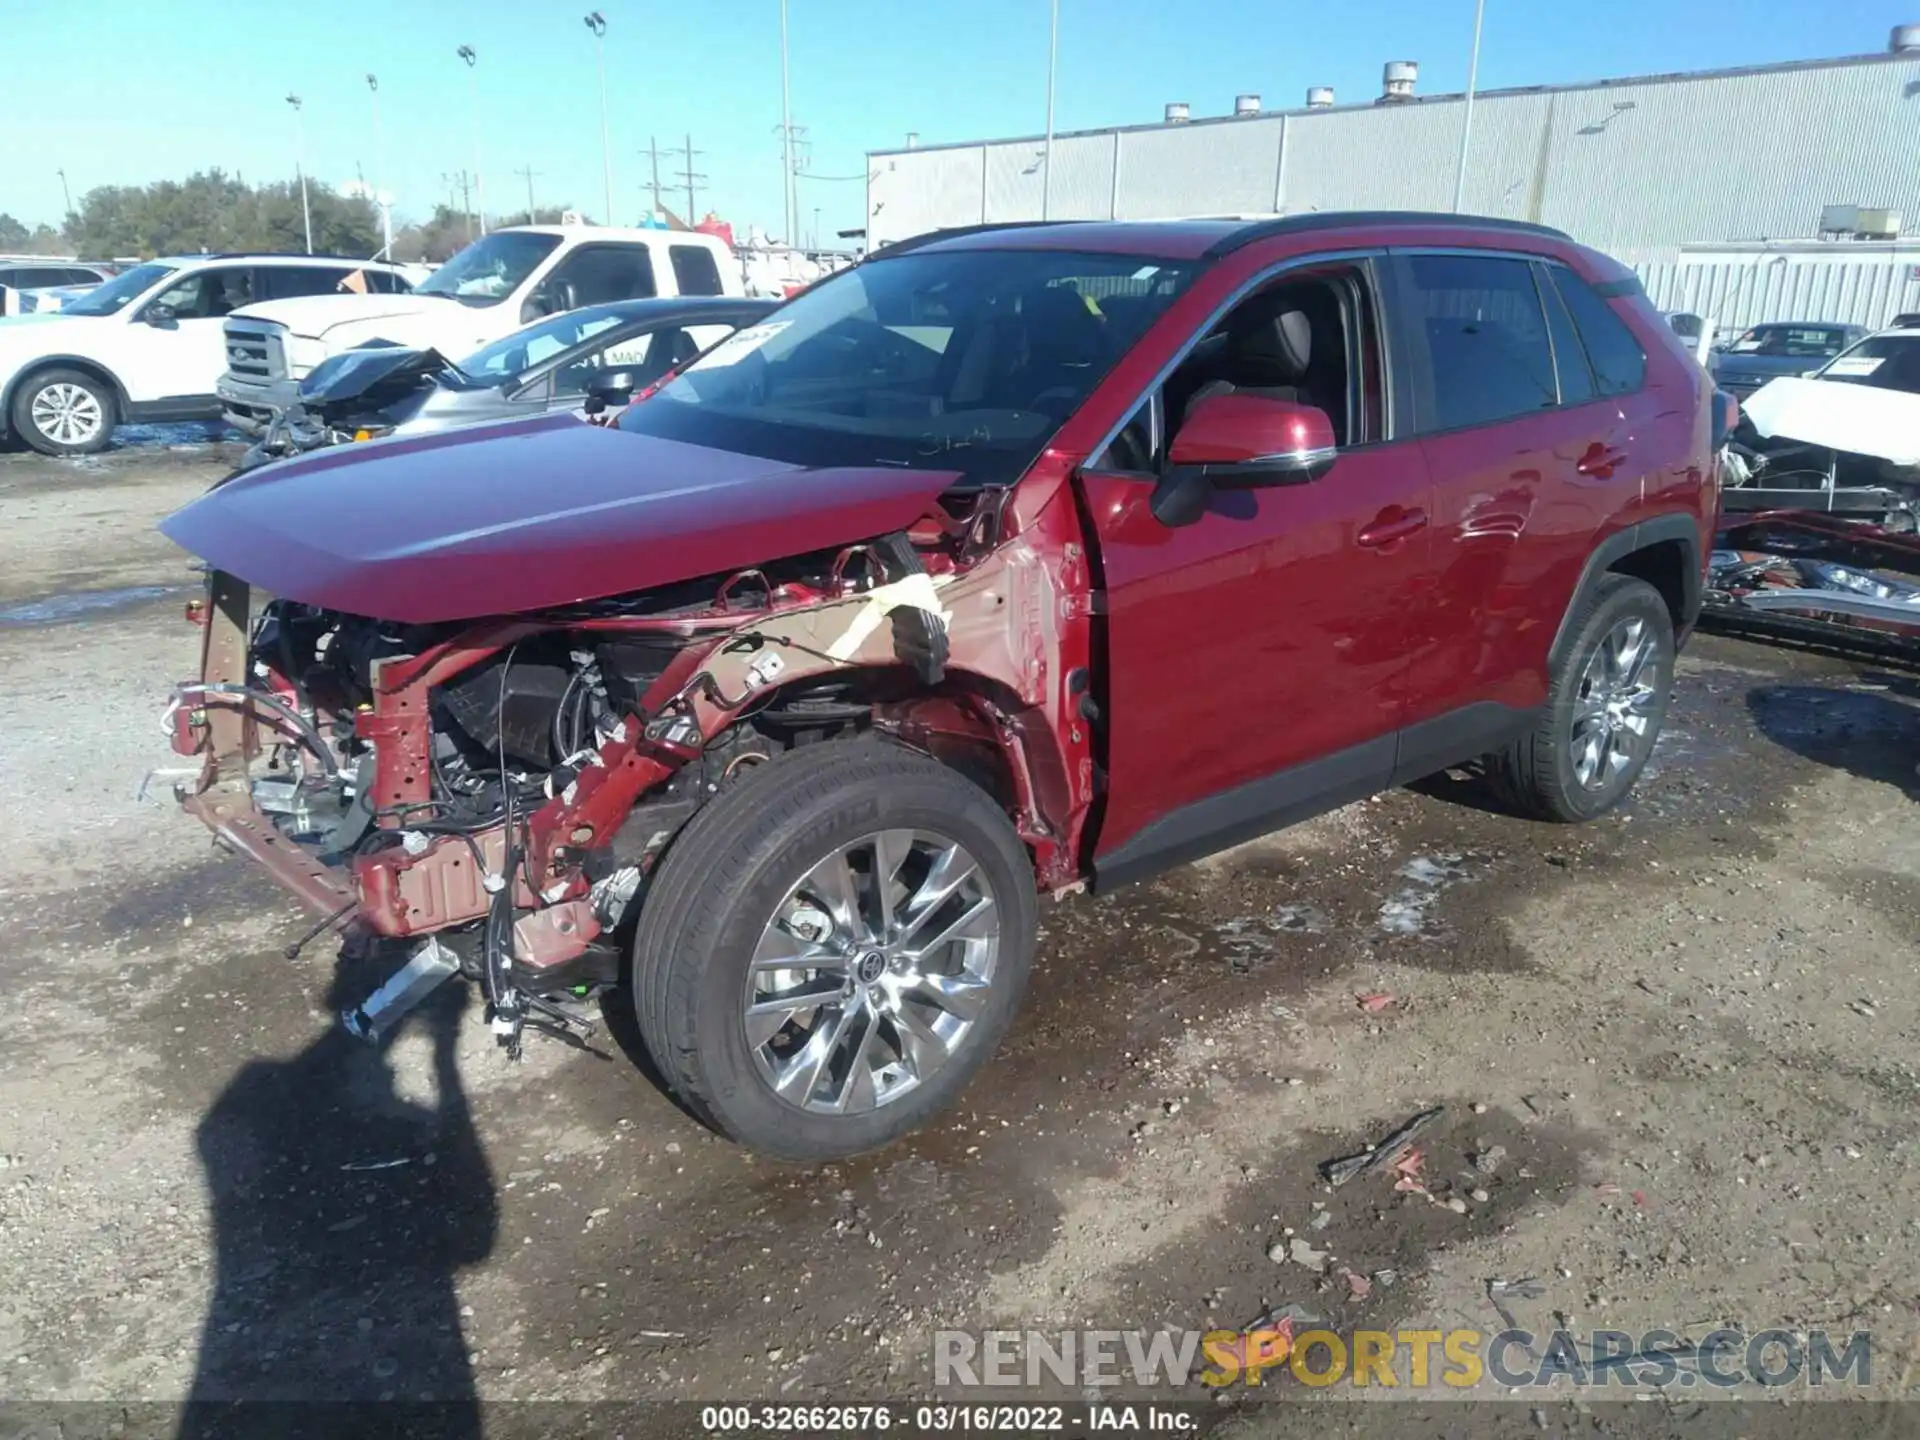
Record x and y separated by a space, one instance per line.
530 346
966 360
1801 342
489 270
1886 362
116 293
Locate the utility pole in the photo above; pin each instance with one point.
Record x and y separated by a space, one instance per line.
652 152
470 55
1466 121
597 23
787 192
689 178
529 172
380 174
816 227
300 167
1046 162
459 184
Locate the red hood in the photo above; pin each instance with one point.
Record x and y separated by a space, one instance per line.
500 519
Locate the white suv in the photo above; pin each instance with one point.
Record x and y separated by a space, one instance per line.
147 345
500 282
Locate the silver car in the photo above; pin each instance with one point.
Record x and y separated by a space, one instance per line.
570 361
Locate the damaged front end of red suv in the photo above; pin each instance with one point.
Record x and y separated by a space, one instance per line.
480 705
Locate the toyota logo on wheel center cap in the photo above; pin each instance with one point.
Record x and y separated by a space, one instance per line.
871 967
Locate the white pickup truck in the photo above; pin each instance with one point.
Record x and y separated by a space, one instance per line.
502 281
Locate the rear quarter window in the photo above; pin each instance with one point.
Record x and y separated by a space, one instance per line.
1619 364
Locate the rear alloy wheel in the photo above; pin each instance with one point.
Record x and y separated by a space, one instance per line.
64 412
1605 705
832 948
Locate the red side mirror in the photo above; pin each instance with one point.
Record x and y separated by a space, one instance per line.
1247 440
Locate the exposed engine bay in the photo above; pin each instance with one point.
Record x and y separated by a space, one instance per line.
492 795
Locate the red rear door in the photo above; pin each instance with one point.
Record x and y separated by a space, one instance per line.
1528 460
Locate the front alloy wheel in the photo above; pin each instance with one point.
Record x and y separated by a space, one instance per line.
872 972
64 412
832 946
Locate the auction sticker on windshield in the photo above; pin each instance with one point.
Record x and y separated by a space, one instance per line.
1856 365
739 345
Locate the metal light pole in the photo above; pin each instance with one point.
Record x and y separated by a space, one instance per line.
380 174
467 53
597 23
1466 122
65 193
1046 160
300 166
789 199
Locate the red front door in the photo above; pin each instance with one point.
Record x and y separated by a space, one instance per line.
1267 642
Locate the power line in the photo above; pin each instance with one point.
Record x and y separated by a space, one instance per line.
690 178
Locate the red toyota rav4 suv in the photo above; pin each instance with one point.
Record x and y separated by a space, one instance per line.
1013 560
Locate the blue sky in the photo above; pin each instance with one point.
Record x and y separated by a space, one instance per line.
202 82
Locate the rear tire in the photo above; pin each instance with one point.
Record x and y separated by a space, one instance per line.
64 412
1605 706
904 989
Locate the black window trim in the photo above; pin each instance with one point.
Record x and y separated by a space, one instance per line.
1550 300
1361 259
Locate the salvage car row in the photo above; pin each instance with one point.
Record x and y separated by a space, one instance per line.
1011 562
231 336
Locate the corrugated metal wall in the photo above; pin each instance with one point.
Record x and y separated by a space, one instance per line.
1737 290
1630 167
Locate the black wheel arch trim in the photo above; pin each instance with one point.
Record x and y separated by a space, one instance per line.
56 362
1679 527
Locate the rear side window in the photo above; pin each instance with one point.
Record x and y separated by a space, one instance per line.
1486 340
1619 364
694 270
286 282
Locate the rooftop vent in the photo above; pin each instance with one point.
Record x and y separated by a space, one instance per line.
1397 80
1246 104
1320 97
1177 112
1905 39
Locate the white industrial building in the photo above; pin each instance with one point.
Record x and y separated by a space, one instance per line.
1768 192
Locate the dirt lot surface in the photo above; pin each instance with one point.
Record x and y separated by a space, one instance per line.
1679 1052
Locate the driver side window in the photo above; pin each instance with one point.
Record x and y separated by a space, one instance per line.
1308 337
209 294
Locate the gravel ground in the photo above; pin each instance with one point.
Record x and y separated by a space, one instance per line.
1690 1030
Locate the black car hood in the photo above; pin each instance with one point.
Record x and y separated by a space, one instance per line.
391 370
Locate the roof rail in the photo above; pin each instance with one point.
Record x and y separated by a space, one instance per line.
914 242
1342 219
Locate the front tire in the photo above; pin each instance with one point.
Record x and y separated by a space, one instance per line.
64 412
833 947
1605 706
